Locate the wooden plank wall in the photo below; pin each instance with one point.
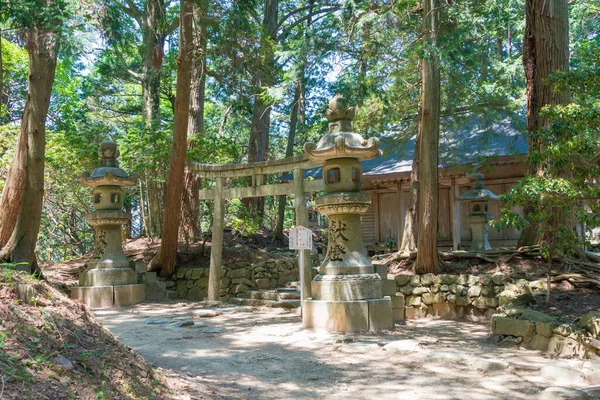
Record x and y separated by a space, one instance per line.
380 222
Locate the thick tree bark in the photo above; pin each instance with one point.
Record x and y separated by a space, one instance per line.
167 255
190 210
27 170
427 256
409 234
258 145
545 50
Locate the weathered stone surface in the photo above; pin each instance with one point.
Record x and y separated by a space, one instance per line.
413 301
538 342
463 279
388 287
27 294
474 291
241 288
403 346
444 288
427 279
63 363
563 393
336 316
445 279
171 294
204 313
181 324
444 309
196 293
485 279
435 288
420 290
563 330
406 290
447 357
591 371
170 284
480 302
415 280
498 278
402 280
127 295
157 321
533 315
591 323
486 365
473 280
560 375
462 301
427 298
263 283
398 300
543 328
523 285
239 273
491 302
513 327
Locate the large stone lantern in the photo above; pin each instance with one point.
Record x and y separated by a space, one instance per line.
109 279
478 217
347 293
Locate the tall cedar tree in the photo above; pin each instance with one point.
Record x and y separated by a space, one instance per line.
21 202
545 50
429 132
190 209
167 255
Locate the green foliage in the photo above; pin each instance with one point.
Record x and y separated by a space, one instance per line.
565 190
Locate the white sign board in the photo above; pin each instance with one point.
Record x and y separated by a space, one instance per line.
300 238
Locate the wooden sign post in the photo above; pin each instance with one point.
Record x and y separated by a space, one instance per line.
301 239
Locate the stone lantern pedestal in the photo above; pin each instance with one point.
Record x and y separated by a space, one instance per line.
478 217
109 280
347 293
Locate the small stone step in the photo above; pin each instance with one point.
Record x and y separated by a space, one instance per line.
265 303
171 294
285 304
295 295
287 289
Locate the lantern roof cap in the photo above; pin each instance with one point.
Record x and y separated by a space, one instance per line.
341 141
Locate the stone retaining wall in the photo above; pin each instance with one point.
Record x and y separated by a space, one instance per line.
473 297
537 331
238 279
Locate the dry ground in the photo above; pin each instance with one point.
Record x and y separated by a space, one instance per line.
251 353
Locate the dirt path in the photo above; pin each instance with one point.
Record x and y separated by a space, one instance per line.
249 353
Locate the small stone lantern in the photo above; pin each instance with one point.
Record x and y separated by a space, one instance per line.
109 279
347 293
478 217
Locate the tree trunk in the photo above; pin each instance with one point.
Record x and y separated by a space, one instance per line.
409 234
258 145
27 170
427 256
289 151
167 255
545 50
190 210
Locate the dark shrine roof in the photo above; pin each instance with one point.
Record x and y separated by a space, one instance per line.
472 141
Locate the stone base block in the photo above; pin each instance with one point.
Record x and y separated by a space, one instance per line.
382 270
348 316
109 296
388 287
127 295
94 296
349 289
108 277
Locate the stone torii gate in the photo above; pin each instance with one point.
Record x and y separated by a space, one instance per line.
257 170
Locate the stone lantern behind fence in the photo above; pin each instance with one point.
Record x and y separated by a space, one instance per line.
109 279
347 293
478 217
